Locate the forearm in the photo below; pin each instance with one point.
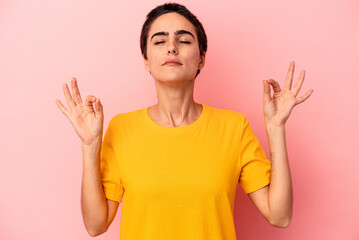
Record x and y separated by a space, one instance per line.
280 195
93 200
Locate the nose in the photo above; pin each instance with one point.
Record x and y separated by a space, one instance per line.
172 48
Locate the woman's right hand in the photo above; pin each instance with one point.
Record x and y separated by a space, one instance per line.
86 120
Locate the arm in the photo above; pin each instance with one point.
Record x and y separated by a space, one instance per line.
87 120
275 201
97 211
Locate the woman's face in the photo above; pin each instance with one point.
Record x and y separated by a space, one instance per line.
167 41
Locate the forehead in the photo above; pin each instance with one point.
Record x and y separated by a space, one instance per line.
171 22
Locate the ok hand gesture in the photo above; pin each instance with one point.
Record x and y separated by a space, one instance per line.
87 121
278 107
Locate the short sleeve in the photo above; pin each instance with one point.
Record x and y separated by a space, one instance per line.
255 167
110 174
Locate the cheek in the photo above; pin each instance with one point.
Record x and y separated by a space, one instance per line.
153 58
193 59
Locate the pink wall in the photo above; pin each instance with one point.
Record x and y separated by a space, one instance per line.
44 43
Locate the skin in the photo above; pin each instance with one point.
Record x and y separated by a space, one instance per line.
176 107
275 201
87 120
174 84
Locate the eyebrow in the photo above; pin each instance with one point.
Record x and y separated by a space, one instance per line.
178 32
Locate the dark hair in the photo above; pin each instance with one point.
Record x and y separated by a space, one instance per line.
177 8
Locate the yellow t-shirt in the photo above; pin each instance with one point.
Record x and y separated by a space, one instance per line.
180 182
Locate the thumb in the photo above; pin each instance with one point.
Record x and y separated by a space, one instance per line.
98 108
266 91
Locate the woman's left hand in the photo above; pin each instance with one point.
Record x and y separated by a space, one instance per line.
278 107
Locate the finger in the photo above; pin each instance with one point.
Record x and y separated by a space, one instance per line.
98 108
266 92
75 91
98 105
275 85
299 83
68 96
305 96
289 78
62 108
88 102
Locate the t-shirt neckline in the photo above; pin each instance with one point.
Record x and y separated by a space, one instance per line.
176 130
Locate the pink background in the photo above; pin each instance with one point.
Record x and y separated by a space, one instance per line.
44 43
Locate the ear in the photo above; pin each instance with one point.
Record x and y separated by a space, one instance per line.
147 65
202 61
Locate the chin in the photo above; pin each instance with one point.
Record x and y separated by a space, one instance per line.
174 77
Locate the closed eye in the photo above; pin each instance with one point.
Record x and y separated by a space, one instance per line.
186 42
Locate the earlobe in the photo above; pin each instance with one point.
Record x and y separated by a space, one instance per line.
147 66
202 60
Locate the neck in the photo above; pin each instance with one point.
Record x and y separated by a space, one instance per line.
176 106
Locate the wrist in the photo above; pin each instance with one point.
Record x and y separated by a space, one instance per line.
95 144
273 124
274 131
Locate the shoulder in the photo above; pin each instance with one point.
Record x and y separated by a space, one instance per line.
227 115
227 121
126 118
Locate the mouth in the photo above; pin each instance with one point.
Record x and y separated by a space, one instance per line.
172 62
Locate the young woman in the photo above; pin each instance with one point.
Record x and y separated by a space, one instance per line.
175 165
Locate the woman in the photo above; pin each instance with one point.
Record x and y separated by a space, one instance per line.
175 165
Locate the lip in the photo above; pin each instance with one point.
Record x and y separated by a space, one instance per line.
172 62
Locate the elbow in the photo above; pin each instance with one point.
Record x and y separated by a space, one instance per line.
94 232
281 223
